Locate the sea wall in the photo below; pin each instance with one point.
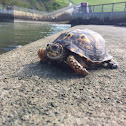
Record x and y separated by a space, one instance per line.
52 17
99 18
27 15
12 13
6 15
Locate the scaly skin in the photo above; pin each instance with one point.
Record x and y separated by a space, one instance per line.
76 66
42 53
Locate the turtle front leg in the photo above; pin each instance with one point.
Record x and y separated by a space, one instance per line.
112 64
76 66
42 53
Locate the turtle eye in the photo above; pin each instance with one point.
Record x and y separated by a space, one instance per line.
48 47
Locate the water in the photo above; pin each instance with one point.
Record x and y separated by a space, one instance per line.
15 35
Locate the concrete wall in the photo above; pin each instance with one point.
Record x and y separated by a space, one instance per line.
27 15
6 15
99 17
11 15
64 14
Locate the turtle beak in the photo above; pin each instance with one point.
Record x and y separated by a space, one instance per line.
54 51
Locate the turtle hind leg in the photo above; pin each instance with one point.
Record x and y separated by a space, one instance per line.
42 55
76 66
113 64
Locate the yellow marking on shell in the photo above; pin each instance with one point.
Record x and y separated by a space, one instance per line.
77 41
83 45
97 43
80 68
70 35
80 37
70 59
82 40
54 42
99 62
87 59
88 41
65 36
77 66
80 43
81 55
72 49
74 64
88 47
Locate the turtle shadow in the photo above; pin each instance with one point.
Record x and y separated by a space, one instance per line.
55 71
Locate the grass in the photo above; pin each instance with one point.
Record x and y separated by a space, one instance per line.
50 5
109 7
96 2
106 8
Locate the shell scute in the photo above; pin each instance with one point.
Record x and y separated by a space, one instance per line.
85 43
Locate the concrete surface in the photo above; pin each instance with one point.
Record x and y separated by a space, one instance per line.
34 94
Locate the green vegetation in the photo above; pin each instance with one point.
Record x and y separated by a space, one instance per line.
96 2
105 8
49 5
42 5
109 7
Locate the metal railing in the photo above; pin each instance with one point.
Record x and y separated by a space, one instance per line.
112 7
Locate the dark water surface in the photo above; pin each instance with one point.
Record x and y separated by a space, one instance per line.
15 35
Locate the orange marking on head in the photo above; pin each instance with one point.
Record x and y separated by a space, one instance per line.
42 54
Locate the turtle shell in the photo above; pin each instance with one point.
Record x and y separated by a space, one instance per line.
85 43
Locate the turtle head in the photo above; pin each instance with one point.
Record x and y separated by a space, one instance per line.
55 51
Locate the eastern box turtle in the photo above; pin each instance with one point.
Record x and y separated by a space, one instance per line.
80 49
